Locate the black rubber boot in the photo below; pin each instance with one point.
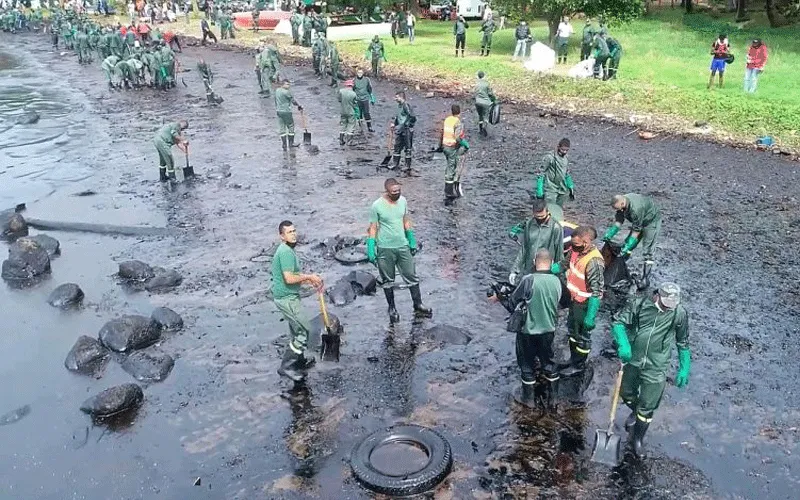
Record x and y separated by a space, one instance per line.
456 52
407 169
341 138
284 142
394 317
644 282
577 362
487 52
419 307
171 175
290 366
188 172
162 175
528 394
291 142
449 190
462 52
630 420
395 162
306 363
369 126
482 51
639 430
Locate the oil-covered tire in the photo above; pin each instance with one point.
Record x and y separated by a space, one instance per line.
440 461
352 255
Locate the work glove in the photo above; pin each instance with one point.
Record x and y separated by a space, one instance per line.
372 98
623 345
571 186
630 244
540 187
299 108
512 278
571 195
464 144
591 313
515 231
412 241
371 254
610 233
555 268
685 365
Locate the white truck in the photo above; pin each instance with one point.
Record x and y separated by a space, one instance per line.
471 9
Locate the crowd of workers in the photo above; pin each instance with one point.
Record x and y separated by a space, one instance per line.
545 273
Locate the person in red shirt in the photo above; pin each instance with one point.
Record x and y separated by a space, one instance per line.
719 50
756 60
144 31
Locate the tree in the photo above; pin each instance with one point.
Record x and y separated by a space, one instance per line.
553 10
741 10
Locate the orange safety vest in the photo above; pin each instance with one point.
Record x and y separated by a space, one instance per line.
449 138
576 275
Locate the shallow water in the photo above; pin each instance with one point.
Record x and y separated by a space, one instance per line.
223 414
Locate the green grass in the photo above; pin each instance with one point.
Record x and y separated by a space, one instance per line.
664 71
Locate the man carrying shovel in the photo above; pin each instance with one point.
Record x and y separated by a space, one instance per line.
286 282
454 144
283 107
166 137
644 332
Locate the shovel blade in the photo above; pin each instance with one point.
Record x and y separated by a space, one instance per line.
330 347
306 137
386 160
606 448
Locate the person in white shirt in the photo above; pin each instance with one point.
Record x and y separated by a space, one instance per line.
562 39
411 21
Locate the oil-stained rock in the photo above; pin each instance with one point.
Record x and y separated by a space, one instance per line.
130 332
147 366
363 283
49 243
342 293
448 335
66 296
113 400
167 319
135 270
87 356
26 262
13 225
164 281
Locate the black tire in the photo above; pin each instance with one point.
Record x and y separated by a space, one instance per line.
440 461
494 113
352 255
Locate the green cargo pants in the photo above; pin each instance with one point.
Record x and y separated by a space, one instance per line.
648 238
285 123
555 204
165 155
641 396
579 337
451 155
347 124
486 41
391 259
483 113
299 327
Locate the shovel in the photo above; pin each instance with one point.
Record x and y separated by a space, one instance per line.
306 133
606 448
457 183
330 339
389 145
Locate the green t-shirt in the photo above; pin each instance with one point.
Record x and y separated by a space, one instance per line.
285 259
283 100
389 218
169 132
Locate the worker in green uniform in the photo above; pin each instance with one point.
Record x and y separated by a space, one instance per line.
553 182
286 283
270 64
82 42
403 128
109 64
124 73
226 26
167 66
484 98
645 218
644 331
208 78
166 137
296 21
362 86
392 245
601 54
539 231
540 290
283 107
614 57
335 60
115 43
317 46
256 15
585 283
308 24
488 28
320 24
347 121
376 53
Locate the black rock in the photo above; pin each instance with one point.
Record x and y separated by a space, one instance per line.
27 118
87 356
13 225
167 319
164 281
27 260
113 400
342 293
130 332
148 366
363 283
49 243
66 296
135 270
448 335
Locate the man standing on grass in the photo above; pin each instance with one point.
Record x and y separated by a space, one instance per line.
523 36
601 54
614 57
391 244
376 53
411 21
286 282
487 28
719 51
562 39
586 41
460 33
756 60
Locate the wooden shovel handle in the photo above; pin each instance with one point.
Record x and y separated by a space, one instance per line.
324 311
615 398
303 120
